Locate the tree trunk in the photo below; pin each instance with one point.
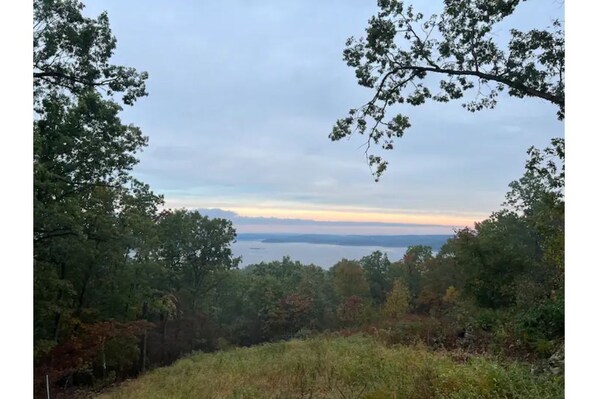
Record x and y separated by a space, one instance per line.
144 348
164 321
144 352
58 315
103 360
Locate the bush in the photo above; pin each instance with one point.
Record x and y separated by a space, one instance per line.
543 326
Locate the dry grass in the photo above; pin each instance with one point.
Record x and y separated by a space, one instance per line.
353 367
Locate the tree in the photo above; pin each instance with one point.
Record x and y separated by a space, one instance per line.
288 272
317 284
517 255
349 279
71 54
194 249
292 312
441 277
352 310
402 50
493 256
412 268
93 230
397 303
376 269
539 197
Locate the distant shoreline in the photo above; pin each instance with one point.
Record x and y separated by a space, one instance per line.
436 241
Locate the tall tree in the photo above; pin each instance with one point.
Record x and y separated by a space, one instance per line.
376 267
411 269
540 198
92 219
194 249
397 303
404 55
493 256
349 279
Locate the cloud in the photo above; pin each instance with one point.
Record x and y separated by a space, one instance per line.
243 95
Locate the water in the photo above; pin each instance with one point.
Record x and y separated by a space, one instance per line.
323 255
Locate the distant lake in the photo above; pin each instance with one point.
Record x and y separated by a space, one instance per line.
323 255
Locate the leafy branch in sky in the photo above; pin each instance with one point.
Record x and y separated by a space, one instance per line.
402 50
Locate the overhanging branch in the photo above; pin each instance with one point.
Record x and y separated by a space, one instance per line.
74 79
558 100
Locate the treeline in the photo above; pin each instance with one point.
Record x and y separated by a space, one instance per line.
169 285
120 286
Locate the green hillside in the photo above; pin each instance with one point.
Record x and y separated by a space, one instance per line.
353 367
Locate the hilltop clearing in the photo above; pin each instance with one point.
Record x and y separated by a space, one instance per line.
353 367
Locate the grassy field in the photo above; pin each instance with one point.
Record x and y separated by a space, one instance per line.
353 367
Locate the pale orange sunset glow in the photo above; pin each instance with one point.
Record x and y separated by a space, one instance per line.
359 216
339 213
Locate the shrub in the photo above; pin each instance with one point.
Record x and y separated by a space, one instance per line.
542 326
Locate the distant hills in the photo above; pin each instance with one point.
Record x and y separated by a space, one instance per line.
392 241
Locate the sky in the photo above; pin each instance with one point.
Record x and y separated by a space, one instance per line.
243 95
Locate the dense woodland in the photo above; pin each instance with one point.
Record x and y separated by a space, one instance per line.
122 285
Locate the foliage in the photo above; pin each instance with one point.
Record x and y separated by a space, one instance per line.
376 268
543 323
493 255
195 250
271 301
517 255
90 214
78 354
72 52
451 295
443 277
349 279
290 314
404 55
397 302
352 311
412 269
539 196
98 239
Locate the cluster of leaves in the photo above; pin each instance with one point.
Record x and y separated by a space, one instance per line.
88 343
71 54
404 55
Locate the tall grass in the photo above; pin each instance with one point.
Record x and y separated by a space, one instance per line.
353 367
